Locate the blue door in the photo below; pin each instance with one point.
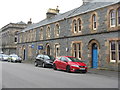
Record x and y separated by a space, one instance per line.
94 56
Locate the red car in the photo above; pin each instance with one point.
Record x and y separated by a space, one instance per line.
70 64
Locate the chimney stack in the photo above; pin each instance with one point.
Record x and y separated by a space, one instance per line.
86 1
29 22
52 12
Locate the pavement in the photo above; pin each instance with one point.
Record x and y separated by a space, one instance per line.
104 72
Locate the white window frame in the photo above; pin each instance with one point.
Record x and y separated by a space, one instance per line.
94 20
118 16
111 52
112 18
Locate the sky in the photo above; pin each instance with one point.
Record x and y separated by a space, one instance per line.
13 11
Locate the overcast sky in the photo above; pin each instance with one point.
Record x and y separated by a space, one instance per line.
22 10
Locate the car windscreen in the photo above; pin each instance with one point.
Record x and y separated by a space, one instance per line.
74 59
14 56
5 55
49 57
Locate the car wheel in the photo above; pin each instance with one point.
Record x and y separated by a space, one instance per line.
43 65
54 67
68 69
35 63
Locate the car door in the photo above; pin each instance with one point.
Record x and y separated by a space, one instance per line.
41 59
63 63
58 62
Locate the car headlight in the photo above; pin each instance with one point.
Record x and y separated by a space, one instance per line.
47 61
75 65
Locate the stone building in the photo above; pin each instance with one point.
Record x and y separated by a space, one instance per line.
9 37
89 32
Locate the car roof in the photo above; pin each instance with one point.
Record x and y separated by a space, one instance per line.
67 56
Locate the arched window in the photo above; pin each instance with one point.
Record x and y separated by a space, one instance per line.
94 20
48 32
79 25
41 33
119 16
112 18
75 26
57 30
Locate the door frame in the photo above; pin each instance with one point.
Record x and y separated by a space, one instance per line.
91 42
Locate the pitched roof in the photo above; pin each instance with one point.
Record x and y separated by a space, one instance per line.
91 6
21 22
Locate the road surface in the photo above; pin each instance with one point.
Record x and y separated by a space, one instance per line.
21 75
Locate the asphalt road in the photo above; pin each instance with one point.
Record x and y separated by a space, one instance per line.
20 75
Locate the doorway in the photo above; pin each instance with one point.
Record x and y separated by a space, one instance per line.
94 55
48 50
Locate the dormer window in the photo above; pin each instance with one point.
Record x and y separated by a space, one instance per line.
112 18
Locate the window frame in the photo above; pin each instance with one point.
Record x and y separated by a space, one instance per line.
79 25
118 16
57 30
48 30
116 51
41 33
94 22
112 13
77 49
75 26
112 51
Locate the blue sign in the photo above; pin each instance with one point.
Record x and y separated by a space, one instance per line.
40 47
32 46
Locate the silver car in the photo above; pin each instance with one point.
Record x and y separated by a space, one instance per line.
4 57
14 58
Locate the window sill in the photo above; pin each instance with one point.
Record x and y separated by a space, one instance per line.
112 26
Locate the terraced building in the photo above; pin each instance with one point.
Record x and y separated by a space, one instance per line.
89 32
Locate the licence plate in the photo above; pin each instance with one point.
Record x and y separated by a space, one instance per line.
82 68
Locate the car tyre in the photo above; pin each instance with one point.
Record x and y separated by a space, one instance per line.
35 63
68 69
43 65
54 67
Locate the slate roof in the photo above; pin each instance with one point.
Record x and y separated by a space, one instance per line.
21 22
93 5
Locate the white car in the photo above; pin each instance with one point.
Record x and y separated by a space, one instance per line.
4 57
14 58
